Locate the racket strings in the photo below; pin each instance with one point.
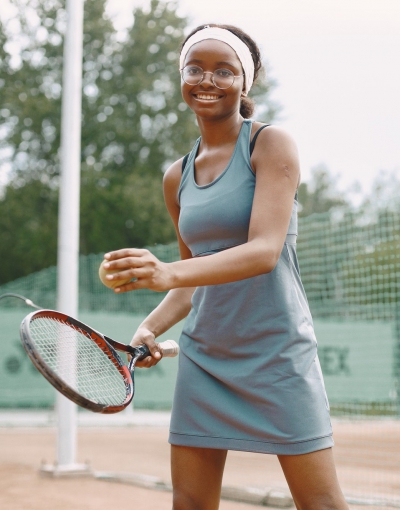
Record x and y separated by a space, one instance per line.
78 361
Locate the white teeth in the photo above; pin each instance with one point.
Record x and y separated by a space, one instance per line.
206 96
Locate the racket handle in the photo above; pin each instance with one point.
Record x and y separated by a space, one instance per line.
170 348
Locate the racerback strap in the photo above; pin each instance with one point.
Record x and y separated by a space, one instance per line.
184 161
252 145
253 142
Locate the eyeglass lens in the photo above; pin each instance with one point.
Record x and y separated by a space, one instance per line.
221 78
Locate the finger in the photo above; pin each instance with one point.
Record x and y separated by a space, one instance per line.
154 348
125 252
121 275
147 362
148 339
155 351
160 350
139 283
138 272
136 285
125 263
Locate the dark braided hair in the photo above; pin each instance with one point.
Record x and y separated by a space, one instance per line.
247 104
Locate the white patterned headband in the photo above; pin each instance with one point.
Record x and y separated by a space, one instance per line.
221 34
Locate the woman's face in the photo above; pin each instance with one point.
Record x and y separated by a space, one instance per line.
205 99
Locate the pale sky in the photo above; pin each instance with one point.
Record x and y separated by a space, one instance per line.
337 64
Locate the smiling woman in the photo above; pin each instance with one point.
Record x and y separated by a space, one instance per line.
250 63
249 376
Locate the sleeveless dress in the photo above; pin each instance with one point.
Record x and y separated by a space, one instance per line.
249 377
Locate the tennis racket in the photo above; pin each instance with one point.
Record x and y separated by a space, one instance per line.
81 363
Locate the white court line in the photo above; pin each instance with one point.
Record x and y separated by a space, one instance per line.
138 417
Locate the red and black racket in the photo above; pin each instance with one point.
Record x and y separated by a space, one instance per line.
81 363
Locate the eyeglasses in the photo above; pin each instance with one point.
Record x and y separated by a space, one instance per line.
221 78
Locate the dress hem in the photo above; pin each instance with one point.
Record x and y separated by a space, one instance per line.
248 445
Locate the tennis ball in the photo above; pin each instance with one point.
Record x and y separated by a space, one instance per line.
110 283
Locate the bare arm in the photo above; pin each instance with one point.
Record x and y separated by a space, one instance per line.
275 162
172 309
177 303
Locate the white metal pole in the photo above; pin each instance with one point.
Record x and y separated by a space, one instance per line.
68 219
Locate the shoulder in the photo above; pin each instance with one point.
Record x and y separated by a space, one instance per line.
172 180
273 138
275 146
173 173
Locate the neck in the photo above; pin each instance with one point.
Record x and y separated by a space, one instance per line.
219 132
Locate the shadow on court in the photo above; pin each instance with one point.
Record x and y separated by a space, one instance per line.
364 473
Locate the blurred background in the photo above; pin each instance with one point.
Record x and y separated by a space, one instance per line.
332 80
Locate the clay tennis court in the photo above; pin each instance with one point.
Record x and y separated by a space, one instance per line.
367 455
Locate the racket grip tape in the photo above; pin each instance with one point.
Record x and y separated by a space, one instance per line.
170 348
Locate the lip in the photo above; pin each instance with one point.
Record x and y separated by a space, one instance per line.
207 97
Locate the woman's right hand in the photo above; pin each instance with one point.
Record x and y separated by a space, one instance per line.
145 336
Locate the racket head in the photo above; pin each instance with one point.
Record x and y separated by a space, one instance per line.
77 360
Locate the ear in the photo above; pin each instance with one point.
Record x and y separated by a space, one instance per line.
244 93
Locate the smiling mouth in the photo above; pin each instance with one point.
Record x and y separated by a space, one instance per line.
207 97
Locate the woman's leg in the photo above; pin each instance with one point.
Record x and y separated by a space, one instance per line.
313 481
196 477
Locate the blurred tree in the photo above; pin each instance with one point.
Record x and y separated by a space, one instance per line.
28 229
135 105
267 109
134 125
385 192
30 70
320 194
30 67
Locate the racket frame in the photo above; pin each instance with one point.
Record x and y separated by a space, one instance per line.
107 345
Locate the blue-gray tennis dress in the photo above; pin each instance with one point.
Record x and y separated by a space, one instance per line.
249 376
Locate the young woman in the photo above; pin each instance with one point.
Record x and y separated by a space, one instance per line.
249 376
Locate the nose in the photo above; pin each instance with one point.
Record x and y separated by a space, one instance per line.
207 80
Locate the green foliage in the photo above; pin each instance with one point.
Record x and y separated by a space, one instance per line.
28 226
350 264
267 110
31 93
385 192
320 194
134 125
350 256
132 99
127 214
371 275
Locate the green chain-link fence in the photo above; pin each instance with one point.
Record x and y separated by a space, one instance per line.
350 267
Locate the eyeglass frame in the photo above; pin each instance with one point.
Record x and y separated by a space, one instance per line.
212 76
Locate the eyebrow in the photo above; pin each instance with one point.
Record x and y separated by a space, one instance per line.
226 63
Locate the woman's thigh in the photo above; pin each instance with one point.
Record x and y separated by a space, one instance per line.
313 481
196 477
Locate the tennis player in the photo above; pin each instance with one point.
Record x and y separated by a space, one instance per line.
249 377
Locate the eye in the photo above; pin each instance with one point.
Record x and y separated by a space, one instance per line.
223 73
193 71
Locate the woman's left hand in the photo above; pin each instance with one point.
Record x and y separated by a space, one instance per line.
141 265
